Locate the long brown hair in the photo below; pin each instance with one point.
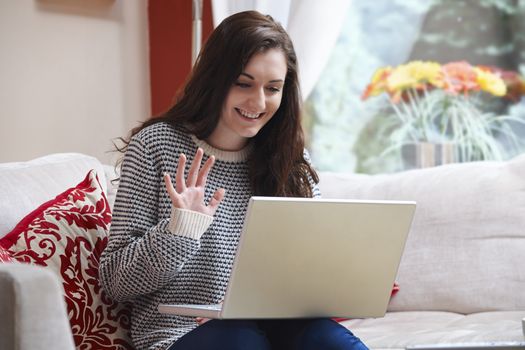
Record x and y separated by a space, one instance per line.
277 166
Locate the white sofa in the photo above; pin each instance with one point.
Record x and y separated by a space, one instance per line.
461 277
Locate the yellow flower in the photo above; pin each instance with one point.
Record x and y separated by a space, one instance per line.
378 84
490 82
414 75
381 73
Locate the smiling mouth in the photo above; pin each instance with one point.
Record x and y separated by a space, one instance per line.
248 115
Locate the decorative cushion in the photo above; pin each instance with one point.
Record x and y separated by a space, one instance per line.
67 235
465 249
4 255
27 184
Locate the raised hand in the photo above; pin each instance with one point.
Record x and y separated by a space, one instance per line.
189 193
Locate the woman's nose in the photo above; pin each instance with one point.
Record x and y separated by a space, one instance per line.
258 100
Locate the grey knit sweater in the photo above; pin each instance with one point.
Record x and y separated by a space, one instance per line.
157 254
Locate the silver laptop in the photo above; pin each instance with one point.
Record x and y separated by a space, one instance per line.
303 257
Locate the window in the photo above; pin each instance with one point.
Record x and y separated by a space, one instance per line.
342 129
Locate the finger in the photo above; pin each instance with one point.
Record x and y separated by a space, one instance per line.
216 199
203 174
170 189
180 184
194 169
201 320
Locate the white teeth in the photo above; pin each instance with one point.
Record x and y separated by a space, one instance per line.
249 115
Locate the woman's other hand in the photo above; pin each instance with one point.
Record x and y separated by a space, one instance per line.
189 193
201 320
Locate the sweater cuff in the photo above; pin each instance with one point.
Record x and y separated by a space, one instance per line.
189 223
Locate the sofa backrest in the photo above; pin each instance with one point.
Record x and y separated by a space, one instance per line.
466 248
24 186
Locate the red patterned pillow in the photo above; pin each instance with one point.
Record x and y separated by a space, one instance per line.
67 235
5 256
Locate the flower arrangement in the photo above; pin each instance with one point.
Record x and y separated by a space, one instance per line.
438 103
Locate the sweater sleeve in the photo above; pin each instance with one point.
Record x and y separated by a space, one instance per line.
145 252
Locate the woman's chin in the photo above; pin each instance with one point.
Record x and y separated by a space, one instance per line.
251 132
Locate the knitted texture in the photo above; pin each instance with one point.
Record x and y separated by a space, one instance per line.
147 263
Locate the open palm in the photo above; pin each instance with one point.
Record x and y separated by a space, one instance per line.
189 193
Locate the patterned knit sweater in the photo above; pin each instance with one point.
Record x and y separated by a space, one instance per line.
157 254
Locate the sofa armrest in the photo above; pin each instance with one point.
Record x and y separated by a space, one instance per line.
32 310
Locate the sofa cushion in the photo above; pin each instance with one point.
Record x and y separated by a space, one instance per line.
465 249
25 185
398 330
67 235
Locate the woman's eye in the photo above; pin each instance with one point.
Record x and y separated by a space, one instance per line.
274 90
242 85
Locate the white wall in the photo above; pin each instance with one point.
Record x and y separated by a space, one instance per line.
73 75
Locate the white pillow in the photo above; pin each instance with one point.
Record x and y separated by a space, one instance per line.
24 186
466 247
112 186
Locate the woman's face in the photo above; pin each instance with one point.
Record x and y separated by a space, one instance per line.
251 101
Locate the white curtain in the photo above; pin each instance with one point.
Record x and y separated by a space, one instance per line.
313 25
278 9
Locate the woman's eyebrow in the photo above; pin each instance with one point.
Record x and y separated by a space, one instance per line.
252 78
248 76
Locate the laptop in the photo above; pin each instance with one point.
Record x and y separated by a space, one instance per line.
305 258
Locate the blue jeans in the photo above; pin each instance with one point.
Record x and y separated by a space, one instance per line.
303 334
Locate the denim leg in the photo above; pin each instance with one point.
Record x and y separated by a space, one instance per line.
310 334
330 335
224 334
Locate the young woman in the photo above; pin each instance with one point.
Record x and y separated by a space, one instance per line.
176 224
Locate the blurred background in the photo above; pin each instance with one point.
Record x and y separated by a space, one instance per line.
77 74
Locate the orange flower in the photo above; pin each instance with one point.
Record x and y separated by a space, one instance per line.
459 77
